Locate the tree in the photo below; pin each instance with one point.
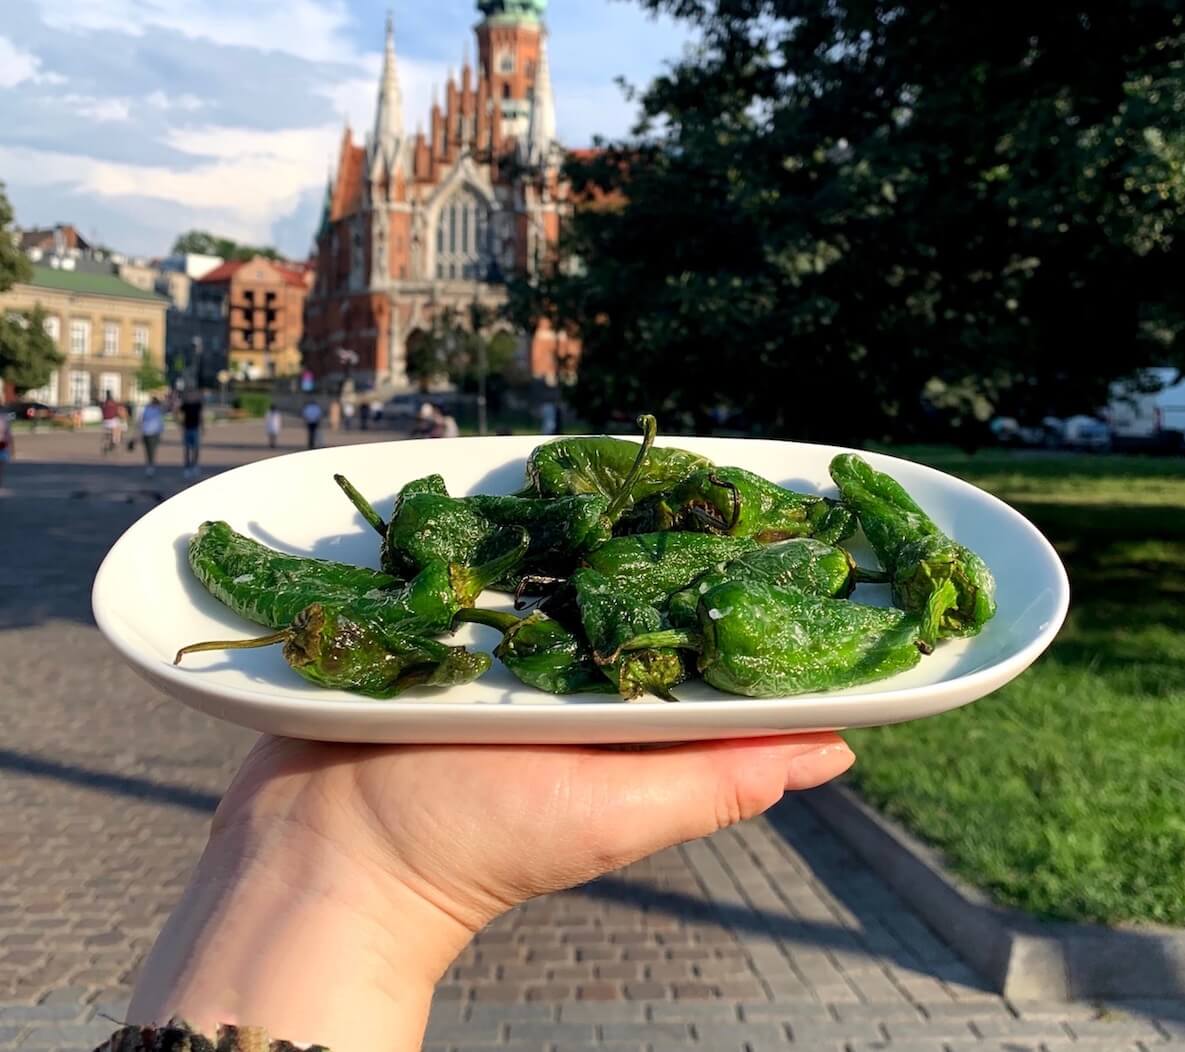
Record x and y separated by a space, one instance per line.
13 265
451 350
27 355
844 219
149 376
202 243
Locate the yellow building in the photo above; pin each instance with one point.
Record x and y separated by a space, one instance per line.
104 328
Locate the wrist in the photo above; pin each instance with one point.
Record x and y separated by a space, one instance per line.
282 927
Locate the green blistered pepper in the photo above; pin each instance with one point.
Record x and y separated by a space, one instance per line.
739 503
611 616
542 653
429 525
763 641
801 562
652 566
272 588
945 583
334 648
571 466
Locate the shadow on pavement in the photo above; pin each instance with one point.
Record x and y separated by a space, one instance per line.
103 781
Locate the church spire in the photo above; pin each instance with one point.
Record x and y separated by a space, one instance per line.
541 129
388 118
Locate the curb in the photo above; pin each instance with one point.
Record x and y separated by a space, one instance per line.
1022 958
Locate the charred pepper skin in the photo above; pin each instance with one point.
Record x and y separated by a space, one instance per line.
612 616
946 584
653 566
738 503
765 641
542 653
762 641
802 562
572 466
271 588
346 651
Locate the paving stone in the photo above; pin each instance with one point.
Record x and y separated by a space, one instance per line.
1117 1029
774 923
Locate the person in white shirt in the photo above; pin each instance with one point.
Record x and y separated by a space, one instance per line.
152 423
311 414
272 423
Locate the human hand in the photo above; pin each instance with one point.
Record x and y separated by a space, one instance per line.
368 868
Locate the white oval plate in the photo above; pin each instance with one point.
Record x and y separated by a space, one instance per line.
148 604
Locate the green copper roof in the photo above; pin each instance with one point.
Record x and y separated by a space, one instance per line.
513 10
85 284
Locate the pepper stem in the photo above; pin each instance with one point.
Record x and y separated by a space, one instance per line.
681 638
942 599
499 619
234 644
863 576
365 508
470 581
618 504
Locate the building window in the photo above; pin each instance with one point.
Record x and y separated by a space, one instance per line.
140 341
109 384
80 337
53 328
463 241
110 338
47 394
506 62
80 387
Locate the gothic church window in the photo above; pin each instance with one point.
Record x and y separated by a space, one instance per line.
463 242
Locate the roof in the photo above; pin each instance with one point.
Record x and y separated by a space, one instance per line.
48 237
291 273
84 283
347 197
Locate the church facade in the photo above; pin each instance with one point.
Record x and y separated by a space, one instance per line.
414 224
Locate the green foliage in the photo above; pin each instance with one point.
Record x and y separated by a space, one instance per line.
28 356
149 377
827 207
13 265
206 244
452 348
253 403
1062 794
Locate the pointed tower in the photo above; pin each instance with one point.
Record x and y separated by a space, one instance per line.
508 40
540 141
387 137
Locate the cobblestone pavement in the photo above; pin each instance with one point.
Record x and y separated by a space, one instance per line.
768 936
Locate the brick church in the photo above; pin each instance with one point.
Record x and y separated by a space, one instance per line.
414 223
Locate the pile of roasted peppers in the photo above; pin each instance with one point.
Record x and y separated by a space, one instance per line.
645 567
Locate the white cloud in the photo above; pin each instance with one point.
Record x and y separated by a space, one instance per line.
244 180
94 109
17 66
309 29
158 100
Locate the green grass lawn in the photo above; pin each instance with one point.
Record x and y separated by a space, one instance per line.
1064 793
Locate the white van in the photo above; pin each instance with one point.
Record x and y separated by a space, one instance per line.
1148 419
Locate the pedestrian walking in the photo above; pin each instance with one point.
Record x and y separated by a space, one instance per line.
335 415
112 424
7 444
448 424
191 425
364 415
311 414
152 423
273 422
348 414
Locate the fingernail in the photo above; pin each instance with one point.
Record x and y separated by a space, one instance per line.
819 765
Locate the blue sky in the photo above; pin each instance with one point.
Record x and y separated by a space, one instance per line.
136 119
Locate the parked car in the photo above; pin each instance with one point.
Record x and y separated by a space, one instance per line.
1149 412
1008 431
24 410
1085 432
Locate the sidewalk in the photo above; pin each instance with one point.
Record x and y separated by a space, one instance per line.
768 936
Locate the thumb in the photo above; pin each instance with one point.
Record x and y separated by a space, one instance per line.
690 791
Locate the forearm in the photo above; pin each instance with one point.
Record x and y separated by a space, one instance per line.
279 929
